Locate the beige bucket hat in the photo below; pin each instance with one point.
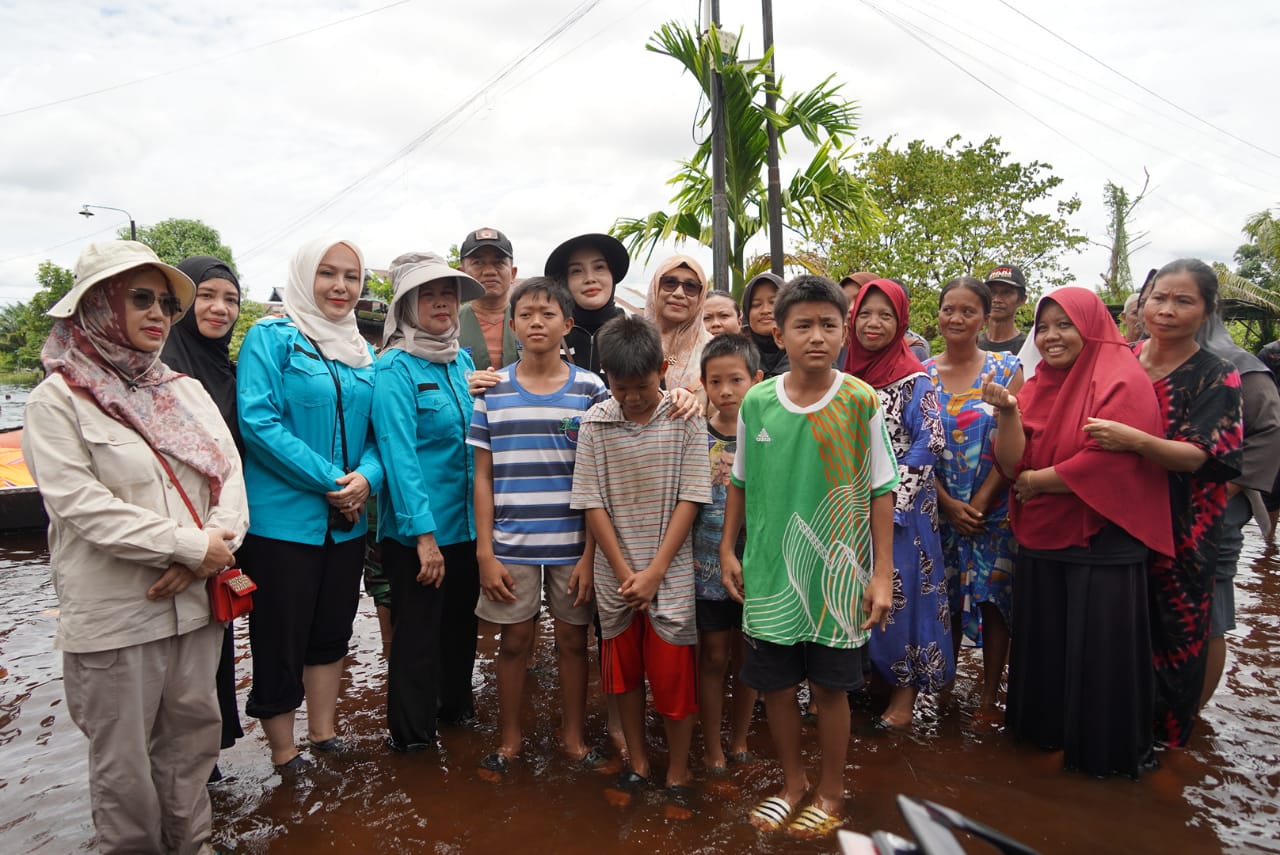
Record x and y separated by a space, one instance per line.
100 261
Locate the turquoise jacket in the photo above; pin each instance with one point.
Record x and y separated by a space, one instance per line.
289 420
421 415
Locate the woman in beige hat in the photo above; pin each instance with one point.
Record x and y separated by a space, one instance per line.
142 483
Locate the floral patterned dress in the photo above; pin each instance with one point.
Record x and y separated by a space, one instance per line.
980 568
915 647
1201 403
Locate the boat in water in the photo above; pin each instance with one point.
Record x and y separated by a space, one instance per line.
21 508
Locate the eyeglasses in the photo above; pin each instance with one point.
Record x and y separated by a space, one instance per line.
144 298
668 285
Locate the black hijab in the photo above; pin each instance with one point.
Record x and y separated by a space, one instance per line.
773 359
208 360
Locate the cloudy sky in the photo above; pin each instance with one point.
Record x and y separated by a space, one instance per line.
404 125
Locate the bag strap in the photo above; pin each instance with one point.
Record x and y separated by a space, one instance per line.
337 387
173 479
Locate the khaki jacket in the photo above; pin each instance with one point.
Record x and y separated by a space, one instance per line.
116 522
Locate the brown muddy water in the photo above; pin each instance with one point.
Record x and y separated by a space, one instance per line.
1220 794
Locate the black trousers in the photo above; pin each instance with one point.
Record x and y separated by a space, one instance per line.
225 681
433 641
302 614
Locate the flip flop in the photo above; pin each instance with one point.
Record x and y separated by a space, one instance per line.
813 822
771 814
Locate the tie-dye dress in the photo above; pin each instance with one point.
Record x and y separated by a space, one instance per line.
979 568
1201 403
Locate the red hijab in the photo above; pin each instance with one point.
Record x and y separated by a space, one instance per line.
1106 382
895 360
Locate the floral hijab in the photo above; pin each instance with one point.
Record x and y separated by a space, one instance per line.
92 352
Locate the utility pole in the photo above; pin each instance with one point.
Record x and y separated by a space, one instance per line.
774 178
719 203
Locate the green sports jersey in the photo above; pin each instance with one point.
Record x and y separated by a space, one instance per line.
809 474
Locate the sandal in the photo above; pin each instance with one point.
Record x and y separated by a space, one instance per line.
629 781
332 745
297 765
592 760
813 822
771 814
499 764
681 796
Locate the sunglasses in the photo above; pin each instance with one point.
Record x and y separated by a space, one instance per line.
668 285
144 298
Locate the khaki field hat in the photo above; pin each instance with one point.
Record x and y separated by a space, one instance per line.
418 268
100 261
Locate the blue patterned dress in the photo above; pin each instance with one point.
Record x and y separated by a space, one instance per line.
980 568
915 647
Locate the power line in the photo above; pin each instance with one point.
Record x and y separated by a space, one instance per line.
192 65
1126 77
565 23
907 28
1031 64
1087 116
58 245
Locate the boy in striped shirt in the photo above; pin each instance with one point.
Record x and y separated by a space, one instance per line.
525 432
641 475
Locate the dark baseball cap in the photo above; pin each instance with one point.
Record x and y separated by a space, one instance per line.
1007 274
485 237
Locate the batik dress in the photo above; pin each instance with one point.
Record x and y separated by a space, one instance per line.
979 569
1201 403
915 647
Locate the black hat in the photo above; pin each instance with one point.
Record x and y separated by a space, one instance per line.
1007 274
486 237
615 255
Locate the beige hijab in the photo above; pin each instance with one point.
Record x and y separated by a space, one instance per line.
337 340
684 344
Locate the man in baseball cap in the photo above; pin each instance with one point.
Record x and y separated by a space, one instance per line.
1008 292
486 256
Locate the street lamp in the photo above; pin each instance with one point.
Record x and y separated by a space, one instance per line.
133 228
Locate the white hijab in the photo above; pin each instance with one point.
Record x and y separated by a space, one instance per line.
337 340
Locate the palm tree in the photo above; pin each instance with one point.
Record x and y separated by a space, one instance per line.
822 191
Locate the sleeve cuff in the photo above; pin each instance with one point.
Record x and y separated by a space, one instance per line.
192 544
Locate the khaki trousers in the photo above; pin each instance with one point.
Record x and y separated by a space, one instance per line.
150 712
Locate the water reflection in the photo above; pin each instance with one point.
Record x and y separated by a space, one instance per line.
1218 795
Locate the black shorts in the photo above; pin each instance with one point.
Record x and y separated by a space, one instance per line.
718 615
769 667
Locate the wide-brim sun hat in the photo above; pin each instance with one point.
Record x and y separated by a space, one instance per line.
615 255
100 261
418 268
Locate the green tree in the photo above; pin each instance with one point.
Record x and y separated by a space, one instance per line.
25 326
1255 281
955 211
176 239
822 190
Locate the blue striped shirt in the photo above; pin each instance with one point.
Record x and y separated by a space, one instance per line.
533 440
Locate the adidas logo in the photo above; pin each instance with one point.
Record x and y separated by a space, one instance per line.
763 436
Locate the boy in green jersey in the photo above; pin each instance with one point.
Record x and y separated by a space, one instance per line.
813 480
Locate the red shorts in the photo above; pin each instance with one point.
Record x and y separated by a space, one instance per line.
638 652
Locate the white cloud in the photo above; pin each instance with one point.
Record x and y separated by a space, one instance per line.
590 129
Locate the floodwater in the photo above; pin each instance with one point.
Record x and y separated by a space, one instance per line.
1220 794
